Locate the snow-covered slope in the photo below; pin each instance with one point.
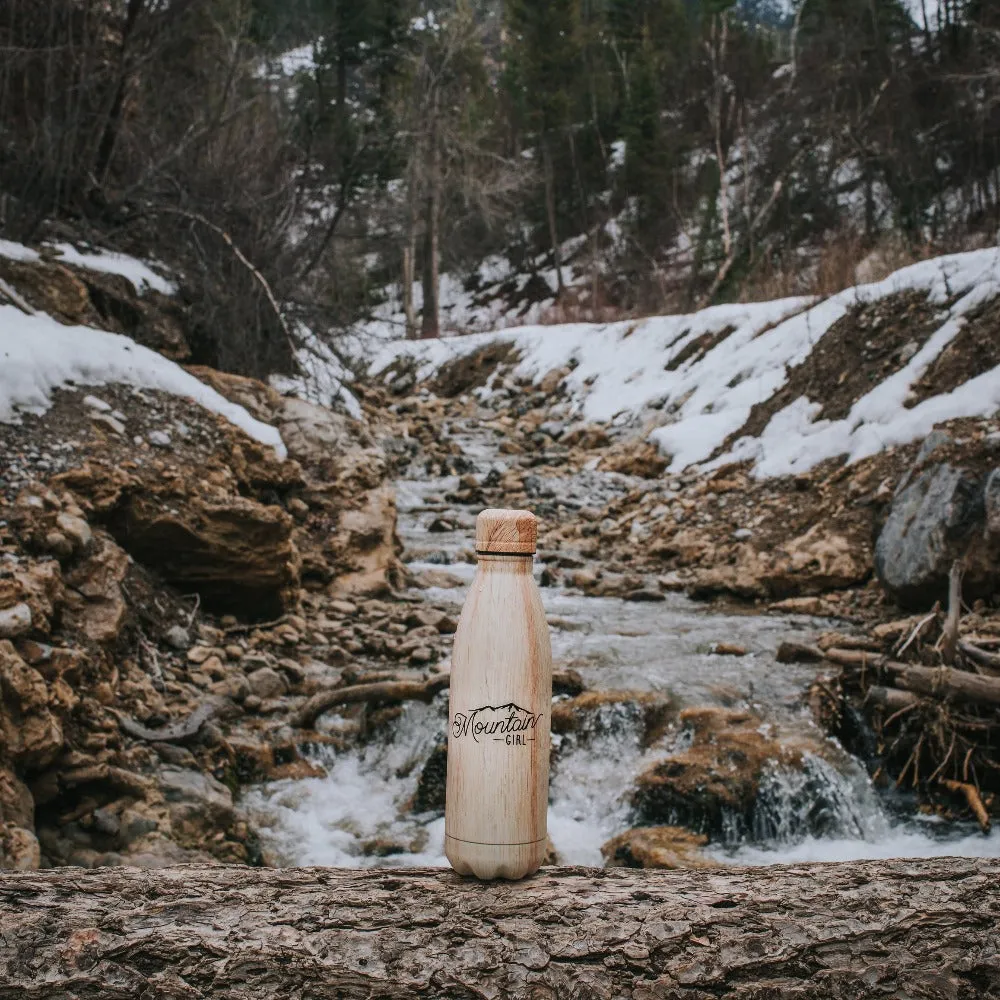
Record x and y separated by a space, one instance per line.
699 376
38 354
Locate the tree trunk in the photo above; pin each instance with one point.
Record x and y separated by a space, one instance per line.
911 929
550 211
112 124
430 313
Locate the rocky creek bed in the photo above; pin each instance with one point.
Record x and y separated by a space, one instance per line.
691 746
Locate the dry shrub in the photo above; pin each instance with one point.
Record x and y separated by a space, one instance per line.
844 260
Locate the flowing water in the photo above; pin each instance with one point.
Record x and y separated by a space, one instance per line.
359 814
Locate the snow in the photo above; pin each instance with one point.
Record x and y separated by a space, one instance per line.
324 376
141 275
620 371
37 355
17 251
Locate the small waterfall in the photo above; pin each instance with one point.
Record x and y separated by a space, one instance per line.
358 815
817 801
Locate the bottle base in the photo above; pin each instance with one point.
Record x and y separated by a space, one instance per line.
493 861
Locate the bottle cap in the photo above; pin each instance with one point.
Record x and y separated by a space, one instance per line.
506 532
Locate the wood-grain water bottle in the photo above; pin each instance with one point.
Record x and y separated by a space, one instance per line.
499 709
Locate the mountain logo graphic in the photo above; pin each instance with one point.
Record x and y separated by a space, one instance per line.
508 724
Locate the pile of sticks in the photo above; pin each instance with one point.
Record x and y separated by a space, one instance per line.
928 690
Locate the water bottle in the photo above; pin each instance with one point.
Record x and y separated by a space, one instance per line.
499 709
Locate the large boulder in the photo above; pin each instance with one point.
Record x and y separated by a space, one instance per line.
366 549
199 805
30 734
237 553
934 520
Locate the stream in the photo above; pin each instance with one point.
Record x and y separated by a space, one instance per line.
359 816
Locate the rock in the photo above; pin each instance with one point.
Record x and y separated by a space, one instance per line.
930 525
441 579
29 732
716 779
366 547
798 652
199 805
567 682
95 604
657 847
583 579
344 608
17 806
178 637
267 683
440 525
59 545
159 439
991 504
728 649
109 422
800 606
742 535
429 796
259 399
76 530
317 436
15 621
553 429
237 553
19 849
597 713
98 405
934 442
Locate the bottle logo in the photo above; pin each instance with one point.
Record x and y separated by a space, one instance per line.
508 724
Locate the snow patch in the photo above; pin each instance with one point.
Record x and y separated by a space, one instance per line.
141 275
37 355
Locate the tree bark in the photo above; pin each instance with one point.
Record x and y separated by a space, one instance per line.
431 309
877 929
550 212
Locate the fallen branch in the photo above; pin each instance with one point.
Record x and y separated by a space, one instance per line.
872 929
949 633
988 661
891 699
177 732
972 797
944 683
387 692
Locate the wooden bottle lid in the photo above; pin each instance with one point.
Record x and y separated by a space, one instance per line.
506 532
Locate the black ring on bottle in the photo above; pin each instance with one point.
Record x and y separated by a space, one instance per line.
510 555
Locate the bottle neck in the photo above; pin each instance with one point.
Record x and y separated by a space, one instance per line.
495 563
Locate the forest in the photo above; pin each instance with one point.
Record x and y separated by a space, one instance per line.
668 153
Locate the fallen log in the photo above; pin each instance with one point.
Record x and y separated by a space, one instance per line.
922 928
936 682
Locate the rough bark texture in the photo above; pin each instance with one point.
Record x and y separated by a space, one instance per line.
878 929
